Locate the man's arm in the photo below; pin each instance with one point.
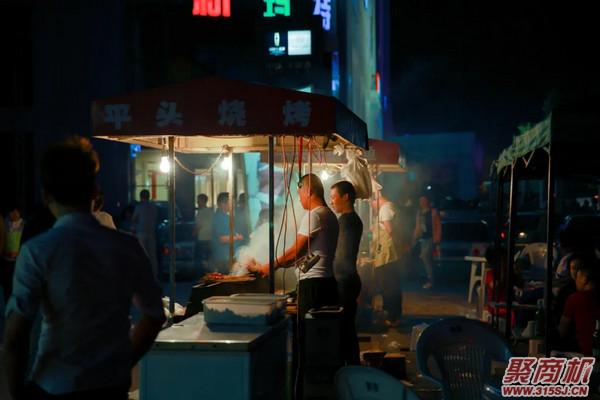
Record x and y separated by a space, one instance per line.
16 353
289 255
143 335
436 226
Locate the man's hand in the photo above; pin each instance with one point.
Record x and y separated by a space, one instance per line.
262 269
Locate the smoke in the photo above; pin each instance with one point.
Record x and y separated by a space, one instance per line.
257 249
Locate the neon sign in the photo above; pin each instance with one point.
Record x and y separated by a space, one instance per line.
212 8
323 8
277 7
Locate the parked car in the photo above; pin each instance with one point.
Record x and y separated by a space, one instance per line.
184 250
461 238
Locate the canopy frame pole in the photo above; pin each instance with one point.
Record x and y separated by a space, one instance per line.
511 249
230 189
271 214
497 242
172 226
549 253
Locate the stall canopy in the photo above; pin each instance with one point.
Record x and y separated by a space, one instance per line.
570 130
382 156
201 113
214 115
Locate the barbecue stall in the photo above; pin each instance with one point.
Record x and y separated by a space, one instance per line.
224 117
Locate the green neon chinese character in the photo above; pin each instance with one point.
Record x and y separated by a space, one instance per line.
277 7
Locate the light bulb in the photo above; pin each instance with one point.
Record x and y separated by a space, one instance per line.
164 166
226 163
324 175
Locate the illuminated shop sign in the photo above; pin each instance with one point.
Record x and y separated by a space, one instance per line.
274 8
323 8
291 43
277 44
212 8
299 43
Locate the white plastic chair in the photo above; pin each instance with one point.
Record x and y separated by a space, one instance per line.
366 383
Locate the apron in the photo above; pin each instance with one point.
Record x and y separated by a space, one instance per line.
383 249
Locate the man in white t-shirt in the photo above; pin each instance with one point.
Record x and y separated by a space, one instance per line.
317 236
386 259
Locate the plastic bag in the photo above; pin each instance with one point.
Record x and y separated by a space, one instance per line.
356 171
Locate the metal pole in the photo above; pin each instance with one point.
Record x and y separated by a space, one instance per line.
231 207
511 249
271 214
213 200
549 254
172 223
498 240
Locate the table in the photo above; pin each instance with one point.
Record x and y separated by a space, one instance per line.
477 264
193 360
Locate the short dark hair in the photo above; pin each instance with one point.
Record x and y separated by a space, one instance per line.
222 197
202 196
345 187
316 186
144 194
589 270
69 171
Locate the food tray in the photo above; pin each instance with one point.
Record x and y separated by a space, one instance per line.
230 310
280 299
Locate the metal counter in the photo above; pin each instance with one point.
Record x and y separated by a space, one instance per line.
193 333
191 359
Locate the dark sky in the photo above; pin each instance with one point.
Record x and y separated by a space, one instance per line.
488 67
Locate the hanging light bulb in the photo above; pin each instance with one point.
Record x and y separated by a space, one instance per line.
165 165
324 175
226 163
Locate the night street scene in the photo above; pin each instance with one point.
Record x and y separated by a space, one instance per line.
299 200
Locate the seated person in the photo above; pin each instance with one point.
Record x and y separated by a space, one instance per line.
582 309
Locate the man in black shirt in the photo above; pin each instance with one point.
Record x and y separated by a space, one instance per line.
344 264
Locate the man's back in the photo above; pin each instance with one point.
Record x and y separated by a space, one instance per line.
84 276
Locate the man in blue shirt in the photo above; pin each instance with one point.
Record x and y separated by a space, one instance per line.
221 240
82 277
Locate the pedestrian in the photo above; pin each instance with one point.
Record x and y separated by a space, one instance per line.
221 238
202 232
82 278
13 232
385 259
342 197
427 235
145 218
